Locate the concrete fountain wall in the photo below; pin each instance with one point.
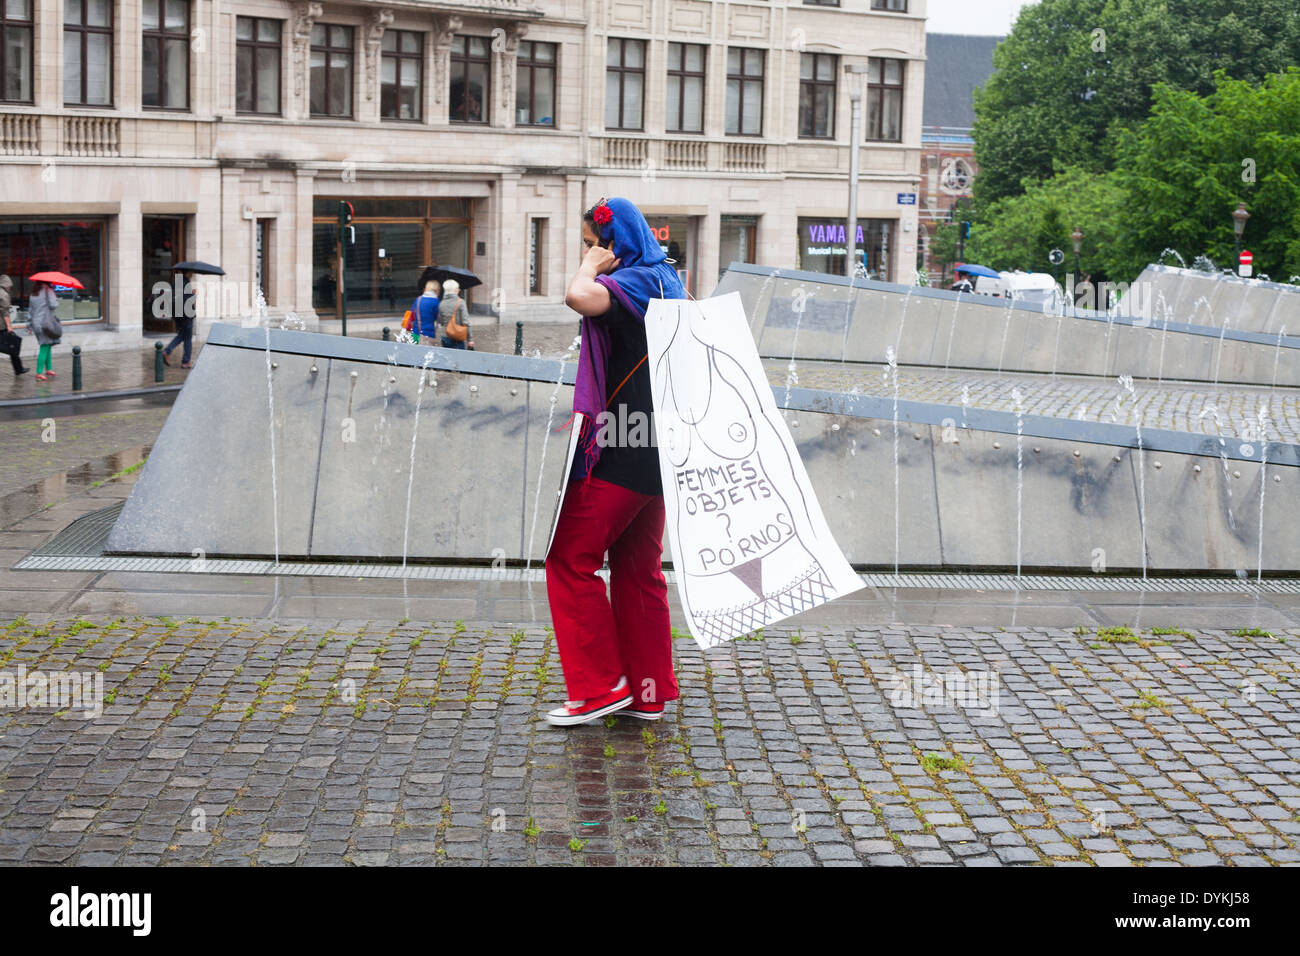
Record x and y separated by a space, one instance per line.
1209 298
486 473
811 316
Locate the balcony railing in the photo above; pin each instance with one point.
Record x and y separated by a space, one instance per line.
20 134
92 136
648 153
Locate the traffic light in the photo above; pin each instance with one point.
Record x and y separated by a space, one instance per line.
965 229
345 212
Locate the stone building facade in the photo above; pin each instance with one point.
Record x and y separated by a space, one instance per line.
137 133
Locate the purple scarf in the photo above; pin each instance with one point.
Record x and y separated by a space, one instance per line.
642 274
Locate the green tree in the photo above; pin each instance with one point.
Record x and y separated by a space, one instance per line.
1073 75
1187 167
1019 232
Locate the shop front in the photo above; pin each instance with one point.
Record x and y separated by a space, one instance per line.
72 246
823 246
677 238
163 247
388 246
737 241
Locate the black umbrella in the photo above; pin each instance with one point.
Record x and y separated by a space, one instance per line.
466 278
202 268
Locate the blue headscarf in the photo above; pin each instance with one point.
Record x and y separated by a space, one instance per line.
642 275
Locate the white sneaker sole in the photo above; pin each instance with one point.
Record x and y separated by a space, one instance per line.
561 720
638 714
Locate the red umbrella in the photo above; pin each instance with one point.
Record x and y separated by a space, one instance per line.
56 278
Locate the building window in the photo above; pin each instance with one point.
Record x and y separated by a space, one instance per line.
401 75
536 255
624 83
823 3
744 92
257 61
87 53
956 177
76 248
471 84
885 99
262 260
817 73
331 70
685 88
737 241
822 246
894 6
393 240
535 86
165 54
16 50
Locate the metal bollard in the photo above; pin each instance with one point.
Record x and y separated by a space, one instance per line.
76 368
386 336
519 338
157 362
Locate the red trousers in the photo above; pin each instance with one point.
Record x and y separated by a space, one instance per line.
627 633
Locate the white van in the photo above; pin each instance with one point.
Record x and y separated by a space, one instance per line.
1032 290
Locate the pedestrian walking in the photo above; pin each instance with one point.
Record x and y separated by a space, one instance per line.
9 341
183 315
454 317
44 324
424 310
616 651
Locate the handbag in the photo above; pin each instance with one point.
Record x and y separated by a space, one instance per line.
454 330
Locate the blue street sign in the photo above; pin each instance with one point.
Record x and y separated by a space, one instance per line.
907 199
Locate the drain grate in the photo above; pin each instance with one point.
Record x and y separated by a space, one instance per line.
80 547
85 537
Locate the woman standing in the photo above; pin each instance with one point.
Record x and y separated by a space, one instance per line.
40 311
451 311
617 651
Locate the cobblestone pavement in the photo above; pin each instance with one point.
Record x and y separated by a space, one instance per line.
253 741
1179 406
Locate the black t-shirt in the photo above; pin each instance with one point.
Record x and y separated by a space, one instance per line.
628 457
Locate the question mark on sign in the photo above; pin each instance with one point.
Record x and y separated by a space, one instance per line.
727 518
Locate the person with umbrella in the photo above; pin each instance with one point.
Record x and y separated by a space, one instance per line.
424 309
185 307
454 317
42 320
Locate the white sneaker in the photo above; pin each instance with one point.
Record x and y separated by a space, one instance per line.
584 711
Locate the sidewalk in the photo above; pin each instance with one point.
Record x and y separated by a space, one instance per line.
128 370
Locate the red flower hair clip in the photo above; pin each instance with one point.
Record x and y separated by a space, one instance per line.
602 214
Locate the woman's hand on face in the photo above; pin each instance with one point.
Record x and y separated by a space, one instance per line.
600 261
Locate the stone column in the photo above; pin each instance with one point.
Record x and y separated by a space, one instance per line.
297 102
299 248
367 101
125 269
506 43
444 28
708 236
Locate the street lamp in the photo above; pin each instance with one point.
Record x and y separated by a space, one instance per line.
1239 217
1077 238
855 134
